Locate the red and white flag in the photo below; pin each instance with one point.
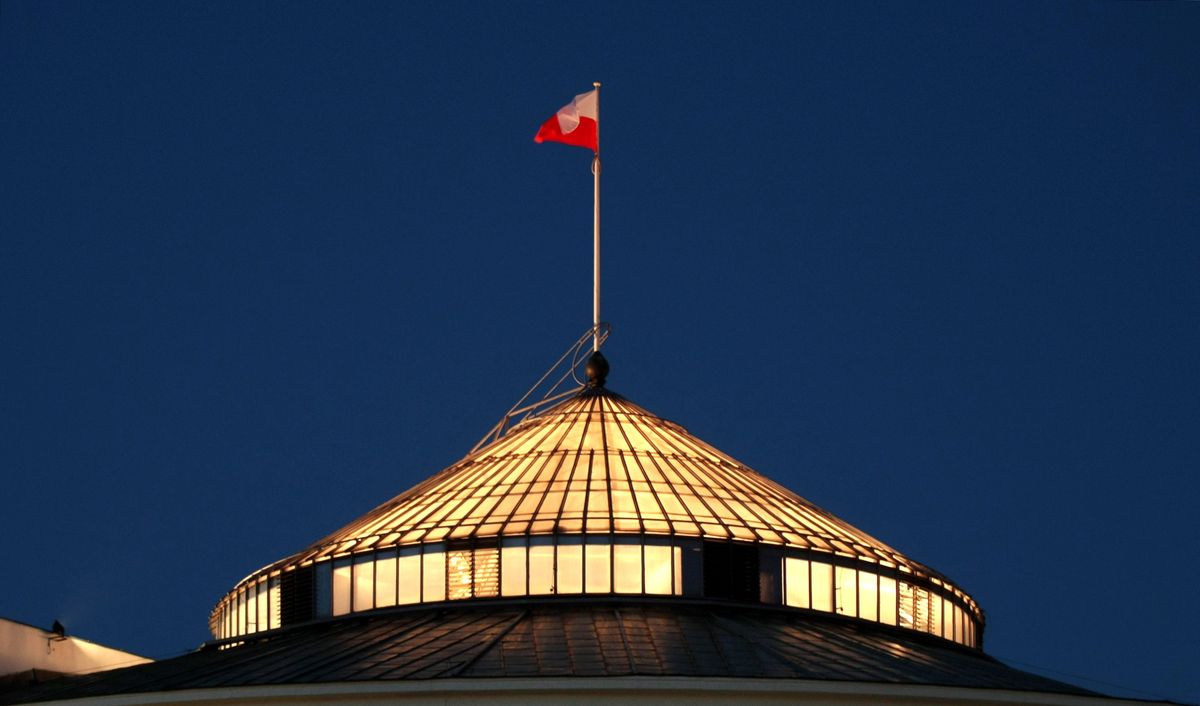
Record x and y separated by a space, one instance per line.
576 123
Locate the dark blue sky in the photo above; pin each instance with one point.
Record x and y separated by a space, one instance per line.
932 266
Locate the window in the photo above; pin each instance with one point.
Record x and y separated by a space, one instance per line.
341 586
570 565
364 582
795 582
660 563
887 600
512 567
541 565
627 568
846 590
408 576
433 575
822 586
459 567
264 609
868 596
597 567
731 571
296 596
487 572
385 580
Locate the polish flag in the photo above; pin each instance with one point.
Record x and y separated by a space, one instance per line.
576 123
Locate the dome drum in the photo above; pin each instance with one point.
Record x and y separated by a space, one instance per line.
545 566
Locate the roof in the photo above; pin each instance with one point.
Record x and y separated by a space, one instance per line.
598 638
598 463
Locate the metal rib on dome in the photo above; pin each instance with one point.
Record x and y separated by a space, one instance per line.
598 463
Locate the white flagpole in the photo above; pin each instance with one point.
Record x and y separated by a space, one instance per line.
596 230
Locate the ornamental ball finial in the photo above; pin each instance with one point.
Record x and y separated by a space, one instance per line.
596 369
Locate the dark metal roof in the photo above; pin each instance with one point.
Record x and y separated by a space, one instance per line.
565 638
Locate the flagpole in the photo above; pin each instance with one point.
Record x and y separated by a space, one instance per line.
596 230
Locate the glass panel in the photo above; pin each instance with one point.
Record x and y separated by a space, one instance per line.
433 577
822 586
264 610
408 581
487 572
385 581
868 596
541 566
907 609
570 565
323 588
252 608
677 562
795 582
341 586
887 600
958 620
658 569
458 574
847 591
627 568
364 583
241 613
947 626
935 617
512 570
599 576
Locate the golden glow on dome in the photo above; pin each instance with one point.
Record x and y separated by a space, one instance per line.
596 495
598 463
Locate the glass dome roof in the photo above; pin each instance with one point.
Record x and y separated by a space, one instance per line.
600 463
598 495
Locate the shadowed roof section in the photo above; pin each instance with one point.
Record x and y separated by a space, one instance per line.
565 638
598 463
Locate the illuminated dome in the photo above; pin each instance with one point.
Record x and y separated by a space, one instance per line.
598 496
594 553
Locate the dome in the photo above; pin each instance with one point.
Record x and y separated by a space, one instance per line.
597 495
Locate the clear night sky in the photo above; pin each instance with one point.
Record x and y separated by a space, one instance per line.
932 266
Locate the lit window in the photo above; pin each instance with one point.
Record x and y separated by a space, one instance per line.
570 565
341 586
251 609
408 580
598 567
512 567
458 574
936 611
541 565
627 568
433 576
868 596
364 582
795 582
822 586
907 610
487 572
887 600
263 611
385 581
847 591
659 564
677 562
947 619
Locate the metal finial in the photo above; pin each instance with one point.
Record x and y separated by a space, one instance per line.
596 369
